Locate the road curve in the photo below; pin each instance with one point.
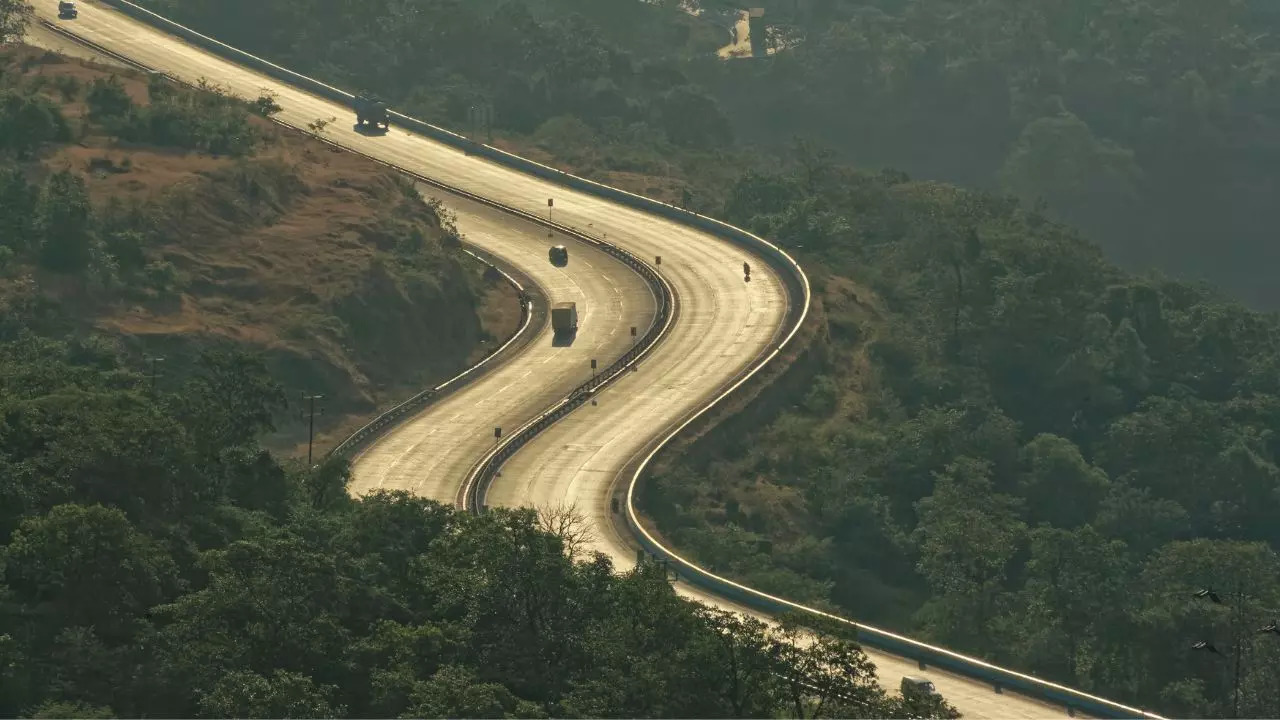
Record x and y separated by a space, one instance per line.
724 323
428 454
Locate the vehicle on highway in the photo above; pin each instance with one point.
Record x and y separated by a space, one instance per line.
68 10
564 318
373 111
916 686
559 255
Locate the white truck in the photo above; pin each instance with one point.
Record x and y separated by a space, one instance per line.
564 318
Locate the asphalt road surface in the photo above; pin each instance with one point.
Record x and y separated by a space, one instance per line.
429 454
723 325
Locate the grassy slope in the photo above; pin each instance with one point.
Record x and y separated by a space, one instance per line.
293 251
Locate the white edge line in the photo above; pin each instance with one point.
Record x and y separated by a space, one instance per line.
632 516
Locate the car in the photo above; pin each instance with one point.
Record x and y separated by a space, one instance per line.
67 10
916 686
559 255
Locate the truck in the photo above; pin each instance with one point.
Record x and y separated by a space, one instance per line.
371 110
564 318
559 255
67 10
918 687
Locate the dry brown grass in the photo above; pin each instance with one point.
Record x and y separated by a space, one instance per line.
253 274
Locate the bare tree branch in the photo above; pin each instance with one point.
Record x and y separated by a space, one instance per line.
573 528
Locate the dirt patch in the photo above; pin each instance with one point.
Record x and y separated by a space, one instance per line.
329 264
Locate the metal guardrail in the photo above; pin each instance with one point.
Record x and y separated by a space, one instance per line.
798 286
393 416
374 429
476 485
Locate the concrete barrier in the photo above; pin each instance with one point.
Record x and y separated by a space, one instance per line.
800 294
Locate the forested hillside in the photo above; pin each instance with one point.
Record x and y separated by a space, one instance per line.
155 562
1151 125
173 221
1013 446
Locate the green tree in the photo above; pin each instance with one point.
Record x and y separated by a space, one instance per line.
823 676
1075 596
1060 487
282 695
108 100
230 401
455 692
87 566
64 223
57 709
17 210
967 535
27 121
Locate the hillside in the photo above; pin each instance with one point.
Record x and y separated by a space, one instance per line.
156 562
1007 443
1009 446
205 225
1150 125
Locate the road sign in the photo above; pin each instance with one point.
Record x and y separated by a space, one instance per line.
497 433
633 331
551 202
593 364
658 260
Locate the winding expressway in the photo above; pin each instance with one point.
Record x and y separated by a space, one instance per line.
723 326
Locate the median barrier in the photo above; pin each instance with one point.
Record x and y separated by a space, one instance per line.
790 271
798 290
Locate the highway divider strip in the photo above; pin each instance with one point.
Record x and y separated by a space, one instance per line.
798 287
362 438
476 486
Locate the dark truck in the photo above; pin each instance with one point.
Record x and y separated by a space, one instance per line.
371 111
564 318
67 10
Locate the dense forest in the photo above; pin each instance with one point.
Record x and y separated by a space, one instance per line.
156 561
1151 125
1014 447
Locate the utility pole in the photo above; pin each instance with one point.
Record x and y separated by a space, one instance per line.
310 414
1237 599
153 360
